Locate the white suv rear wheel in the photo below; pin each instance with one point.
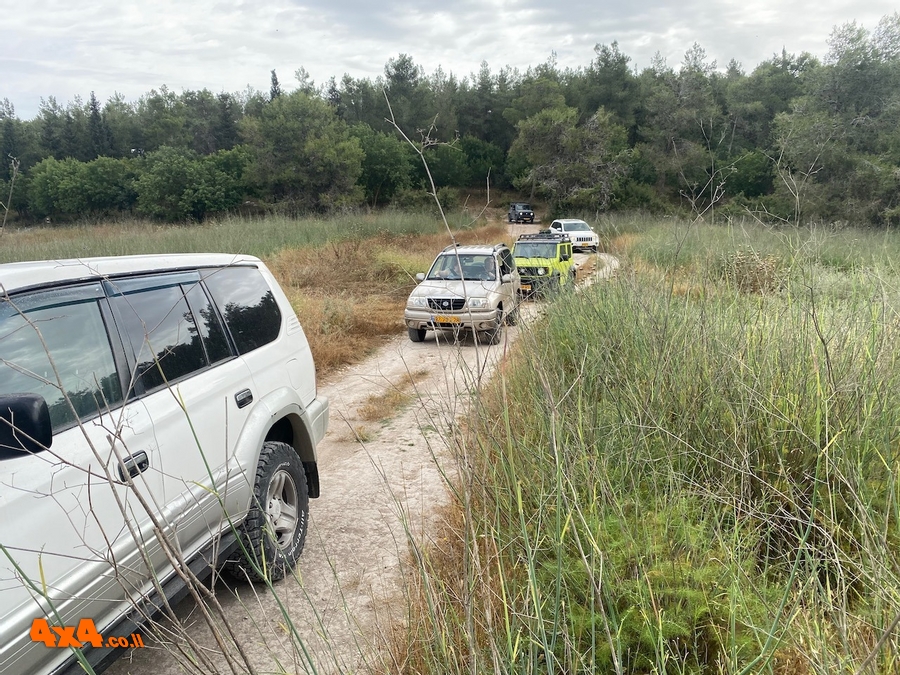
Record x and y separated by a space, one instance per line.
274 532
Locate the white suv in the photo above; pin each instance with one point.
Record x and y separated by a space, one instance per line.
580 233
144 394
468 287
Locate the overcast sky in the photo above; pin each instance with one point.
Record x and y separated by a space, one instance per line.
68 48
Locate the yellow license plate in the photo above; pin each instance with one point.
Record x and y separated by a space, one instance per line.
446 319
526 287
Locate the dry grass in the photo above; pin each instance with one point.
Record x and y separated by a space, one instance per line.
622 243
350 296
362 434
382 406
688 289
750 272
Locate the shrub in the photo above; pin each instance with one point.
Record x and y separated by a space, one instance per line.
56 188
749 272
177 185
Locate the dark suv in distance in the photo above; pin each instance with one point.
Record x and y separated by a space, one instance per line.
520 212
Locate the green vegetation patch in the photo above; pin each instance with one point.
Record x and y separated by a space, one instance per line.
681 483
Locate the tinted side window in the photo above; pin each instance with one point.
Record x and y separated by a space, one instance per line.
75 335
248 305
162 333
208 324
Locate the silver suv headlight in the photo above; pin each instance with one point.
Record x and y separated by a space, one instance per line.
417 301
476 303
541 271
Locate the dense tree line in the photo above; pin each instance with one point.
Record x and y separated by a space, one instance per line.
796 138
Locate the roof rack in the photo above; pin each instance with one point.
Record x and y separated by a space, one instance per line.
493 247
545 235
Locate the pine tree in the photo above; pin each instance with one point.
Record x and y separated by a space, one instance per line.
275 89
98 130
9 138
226 129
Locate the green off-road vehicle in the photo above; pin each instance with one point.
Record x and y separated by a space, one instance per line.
544 261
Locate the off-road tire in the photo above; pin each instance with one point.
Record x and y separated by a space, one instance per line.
512 316
492 336
417 334
274 532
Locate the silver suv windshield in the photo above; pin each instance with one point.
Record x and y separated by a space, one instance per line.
475 267
534 250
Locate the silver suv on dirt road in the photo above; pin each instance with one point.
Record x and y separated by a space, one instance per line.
474 288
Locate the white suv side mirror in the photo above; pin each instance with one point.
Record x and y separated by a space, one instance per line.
420 276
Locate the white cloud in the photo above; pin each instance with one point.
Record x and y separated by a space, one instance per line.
64 49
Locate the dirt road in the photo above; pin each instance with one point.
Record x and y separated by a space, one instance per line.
381 481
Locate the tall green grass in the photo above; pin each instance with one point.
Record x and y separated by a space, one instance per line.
255 236
673 244
686 483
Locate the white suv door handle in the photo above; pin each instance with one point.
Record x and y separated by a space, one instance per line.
134 464
243 398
